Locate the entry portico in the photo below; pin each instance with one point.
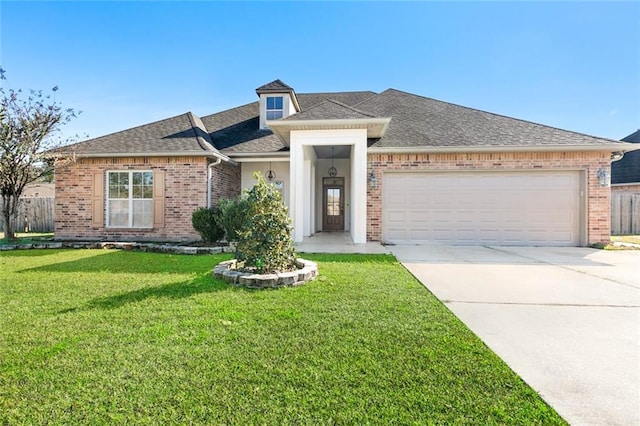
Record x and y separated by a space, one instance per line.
305 139
303 174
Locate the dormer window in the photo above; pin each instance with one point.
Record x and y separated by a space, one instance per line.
277 100
275 108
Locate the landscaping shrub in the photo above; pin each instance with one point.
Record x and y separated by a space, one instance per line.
264 241
206 221
233 215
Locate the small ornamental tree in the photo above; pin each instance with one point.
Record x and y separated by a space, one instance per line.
264 242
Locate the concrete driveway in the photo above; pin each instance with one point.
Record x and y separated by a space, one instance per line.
567 320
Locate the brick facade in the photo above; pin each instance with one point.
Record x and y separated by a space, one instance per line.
186 177
184 191
225 182
598 198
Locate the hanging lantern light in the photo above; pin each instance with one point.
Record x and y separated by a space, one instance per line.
270 175
332 170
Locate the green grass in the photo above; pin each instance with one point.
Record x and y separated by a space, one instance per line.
109 337
27 237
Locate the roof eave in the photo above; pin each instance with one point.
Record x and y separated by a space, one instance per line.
148 154
263 158
376 126
612 147
278 154
626 183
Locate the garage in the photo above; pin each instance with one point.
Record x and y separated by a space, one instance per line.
539 208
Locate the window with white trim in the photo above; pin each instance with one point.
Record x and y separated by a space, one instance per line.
275 109
130 199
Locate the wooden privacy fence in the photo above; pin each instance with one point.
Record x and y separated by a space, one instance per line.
34 215
625 213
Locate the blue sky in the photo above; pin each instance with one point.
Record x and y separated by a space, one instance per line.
572 65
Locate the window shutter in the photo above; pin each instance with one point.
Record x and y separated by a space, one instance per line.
158 199
97 200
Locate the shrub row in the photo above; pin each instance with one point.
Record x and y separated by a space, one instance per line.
258 221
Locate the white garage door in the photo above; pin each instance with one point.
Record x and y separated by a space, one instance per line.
500 208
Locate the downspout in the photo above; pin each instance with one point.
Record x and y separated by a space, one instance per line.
210 179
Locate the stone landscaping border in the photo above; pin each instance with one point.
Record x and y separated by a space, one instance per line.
227 271
146 247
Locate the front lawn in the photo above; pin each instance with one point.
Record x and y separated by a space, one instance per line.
27 237
112 337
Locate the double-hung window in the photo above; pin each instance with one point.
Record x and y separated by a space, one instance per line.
130 199
274 107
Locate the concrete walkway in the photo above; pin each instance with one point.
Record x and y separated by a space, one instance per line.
567 320
337 242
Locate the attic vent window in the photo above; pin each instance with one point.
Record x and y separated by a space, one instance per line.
274 107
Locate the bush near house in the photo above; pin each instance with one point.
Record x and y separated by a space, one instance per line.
206 221
264 241
233 215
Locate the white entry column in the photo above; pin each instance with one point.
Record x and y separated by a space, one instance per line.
296 194
359 190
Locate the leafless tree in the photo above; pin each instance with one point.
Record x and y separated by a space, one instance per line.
29 124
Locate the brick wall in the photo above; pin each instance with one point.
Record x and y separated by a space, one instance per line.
185 190
225 182
598 198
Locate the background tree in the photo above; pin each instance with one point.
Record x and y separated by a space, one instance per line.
28 126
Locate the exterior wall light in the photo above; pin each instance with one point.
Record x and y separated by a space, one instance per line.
373 181
604 177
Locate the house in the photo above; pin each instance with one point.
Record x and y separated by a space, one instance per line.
625 173
393 167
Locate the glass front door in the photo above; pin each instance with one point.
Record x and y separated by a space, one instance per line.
333 205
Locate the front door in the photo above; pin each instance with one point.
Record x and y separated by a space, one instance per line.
333 204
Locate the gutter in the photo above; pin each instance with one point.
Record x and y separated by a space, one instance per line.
209 154
612 147
625 184
324 122
259 157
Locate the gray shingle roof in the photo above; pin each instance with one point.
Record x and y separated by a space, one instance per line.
183 133
423 122
274 86
237 130
416 122
627 170
307 100
328 110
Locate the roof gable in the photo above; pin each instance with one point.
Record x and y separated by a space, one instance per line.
276 86
633 137
627 169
